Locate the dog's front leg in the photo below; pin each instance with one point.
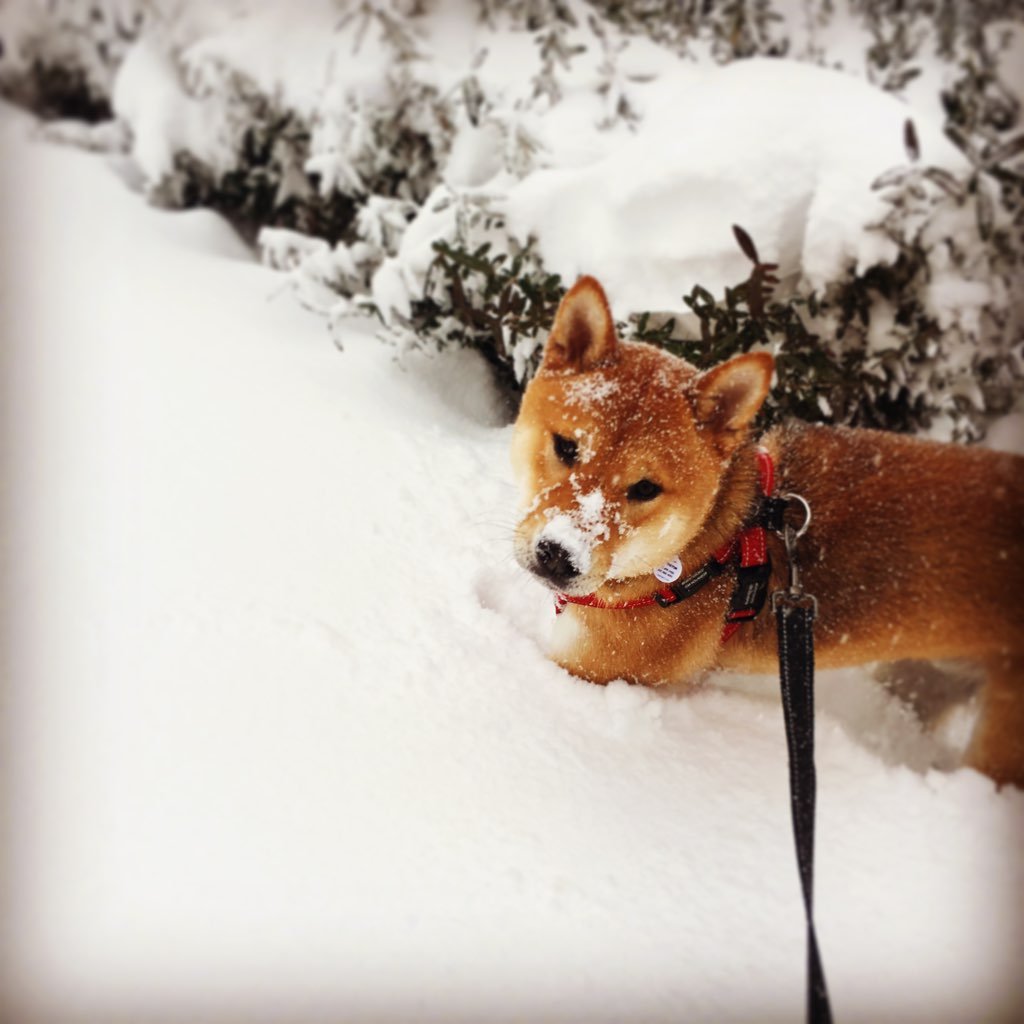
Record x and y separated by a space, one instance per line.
653 646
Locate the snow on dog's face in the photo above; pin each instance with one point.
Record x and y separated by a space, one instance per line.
619 448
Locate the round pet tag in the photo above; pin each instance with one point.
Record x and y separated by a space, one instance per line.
669 572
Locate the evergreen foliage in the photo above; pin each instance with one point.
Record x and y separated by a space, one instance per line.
733 29
500 304
266 184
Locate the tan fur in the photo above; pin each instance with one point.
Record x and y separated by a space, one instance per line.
915 550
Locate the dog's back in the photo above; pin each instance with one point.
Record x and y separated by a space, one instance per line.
917 551
918 545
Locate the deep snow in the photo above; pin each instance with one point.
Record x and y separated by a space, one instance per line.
281 739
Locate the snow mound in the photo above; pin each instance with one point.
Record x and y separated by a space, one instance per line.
786 150
165 119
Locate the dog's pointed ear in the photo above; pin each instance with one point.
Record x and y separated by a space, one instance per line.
729 396
583 334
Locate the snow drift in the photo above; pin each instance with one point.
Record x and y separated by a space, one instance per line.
284 743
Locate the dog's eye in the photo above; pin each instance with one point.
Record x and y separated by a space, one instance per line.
565 449
643 490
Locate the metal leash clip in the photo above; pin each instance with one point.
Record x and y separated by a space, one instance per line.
794 595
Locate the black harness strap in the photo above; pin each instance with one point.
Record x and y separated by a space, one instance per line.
796 669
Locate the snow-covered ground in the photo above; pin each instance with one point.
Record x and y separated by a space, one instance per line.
281 741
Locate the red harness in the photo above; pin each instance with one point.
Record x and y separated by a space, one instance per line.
748 549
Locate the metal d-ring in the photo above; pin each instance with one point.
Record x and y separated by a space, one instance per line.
807 512
795 594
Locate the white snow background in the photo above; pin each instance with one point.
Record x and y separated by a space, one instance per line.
281 740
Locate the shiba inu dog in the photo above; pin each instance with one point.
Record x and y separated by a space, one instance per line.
644 498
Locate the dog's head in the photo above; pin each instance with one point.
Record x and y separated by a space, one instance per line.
620 448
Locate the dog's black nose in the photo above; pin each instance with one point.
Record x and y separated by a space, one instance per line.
554 562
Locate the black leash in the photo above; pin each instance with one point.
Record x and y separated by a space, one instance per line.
795 611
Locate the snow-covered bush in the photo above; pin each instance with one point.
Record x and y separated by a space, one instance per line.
501 305
447 165
931 338
256 174
60 57
942 324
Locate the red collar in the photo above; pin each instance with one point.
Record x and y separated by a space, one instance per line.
748 550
